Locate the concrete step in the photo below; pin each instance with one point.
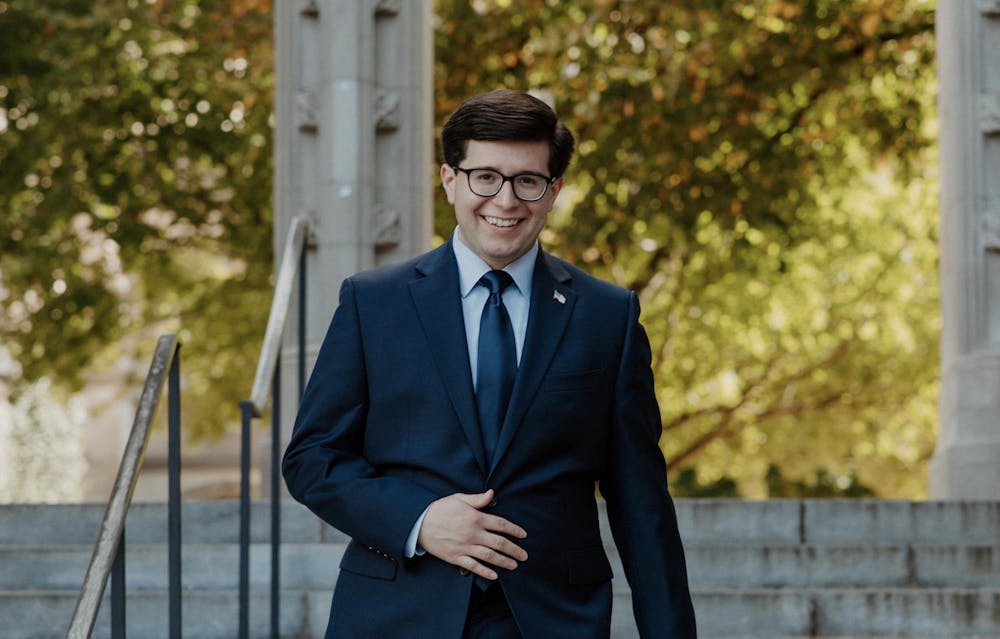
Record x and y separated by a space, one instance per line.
848 612
756 566
206 614
700 520
203 567
212 614
759 569
730 566
840 521
210 522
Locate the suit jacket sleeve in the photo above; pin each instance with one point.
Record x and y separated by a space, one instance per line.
640 510
324 465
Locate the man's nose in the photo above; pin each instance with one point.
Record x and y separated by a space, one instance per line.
505 196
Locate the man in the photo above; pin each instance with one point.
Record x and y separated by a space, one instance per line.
465 403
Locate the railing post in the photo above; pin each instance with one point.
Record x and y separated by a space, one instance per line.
275 505
302 324
108 557
292 265
174 492
247 411
118 590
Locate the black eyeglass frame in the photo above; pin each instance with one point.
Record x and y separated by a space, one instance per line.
506 178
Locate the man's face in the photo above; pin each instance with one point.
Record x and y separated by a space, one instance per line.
501 228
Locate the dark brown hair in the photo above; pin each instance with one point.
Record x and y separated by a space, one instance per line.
507 115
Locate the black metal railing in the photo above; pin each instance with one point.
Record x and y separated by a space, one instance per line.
293 265
109 554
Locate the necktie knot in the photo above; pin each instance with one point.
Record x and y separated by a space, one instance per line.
496 282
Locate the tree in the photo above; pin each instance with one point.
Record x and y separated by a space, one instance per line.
41 456
761 172
135 190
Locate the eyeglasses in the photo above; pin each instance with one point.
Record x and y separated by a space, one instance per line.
528 187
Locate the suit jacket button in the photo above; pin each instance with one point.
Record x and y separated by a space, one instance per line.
463 572
493 504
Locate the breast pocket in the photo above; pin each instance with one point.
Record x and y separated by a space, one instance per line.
573 381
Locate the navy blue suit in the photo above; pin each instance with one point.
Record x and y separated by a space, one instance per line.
388 424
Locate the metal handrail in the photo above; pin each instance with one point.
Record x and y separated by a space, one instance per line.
280 304
108 557
292 266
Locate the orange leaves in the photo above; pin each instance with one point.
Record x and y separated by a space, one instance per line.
869 23
698 133
240 8
784 9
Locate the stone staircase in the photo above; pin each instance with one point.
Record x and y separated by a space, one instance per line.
790 569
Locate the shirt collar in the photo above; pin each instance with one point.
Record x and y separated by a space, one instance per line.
471 267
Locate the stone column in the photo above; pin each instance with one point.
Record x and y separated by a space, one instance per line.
966 463
353 149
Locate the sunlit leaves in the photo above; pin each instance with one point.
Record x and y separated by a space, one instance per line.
135 180
758 171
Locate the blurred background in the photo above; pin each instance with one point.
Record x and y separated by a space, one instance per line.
762 172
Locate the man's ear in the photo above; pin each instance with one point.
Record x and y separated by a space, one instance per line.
448 182
556 187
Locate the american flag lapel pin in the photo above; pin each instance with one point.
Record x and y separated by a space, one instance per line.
559 297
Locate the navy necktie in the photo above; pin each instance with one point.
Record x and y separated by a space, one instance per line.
497 365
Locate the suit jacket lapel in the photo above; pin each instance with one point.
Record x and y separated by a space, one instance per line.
552 304
439 307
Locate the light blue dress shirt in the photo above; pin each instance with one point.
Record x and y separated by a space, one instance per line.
516 299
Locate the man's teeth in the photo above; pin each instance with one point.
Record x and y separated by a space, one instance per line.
496 221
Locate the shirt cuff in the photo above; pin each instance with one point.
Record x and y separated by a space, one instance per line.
411 549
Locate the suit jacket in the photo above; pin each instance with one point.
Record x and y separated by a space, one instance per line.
388 424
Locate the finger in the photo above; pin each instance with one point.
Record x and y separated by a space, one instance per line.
477 568
501 525
494 558
478 500
505 546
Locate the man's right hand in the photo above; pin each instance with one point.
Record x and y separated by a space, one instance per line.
457 531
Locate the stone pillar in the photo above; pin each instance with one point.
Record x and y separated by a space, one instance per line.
966 463
353 149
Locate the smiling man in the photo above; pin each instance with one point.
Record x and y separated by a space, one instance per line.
466 403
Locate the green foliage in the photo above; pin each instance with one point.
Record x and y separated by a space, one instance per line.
686 484
41 455
135 186
824 485
762 173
